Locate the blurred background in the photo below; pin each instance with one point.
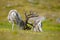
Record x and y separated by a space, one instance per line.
48 8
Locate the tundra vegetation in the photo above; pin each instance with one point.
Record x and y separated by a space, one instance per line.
48 8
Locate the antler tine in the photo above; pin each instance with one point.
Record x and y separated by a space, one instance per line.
31 13
35 14
25 13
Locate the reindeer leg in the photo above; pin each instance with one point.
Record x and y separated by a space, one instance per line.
34 29
40 27
37 29
12 25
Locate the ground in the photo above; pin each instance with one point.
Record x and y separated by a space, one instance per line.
48 8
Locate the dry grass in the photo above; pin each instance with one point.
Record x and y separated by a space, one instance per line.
28 35
48 8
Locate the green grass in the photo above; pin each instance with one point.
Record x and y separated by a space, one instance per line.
51 28
28 35
50 32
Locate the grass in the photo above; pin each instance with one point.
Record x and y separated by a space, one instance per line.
28 35
50 32
51 28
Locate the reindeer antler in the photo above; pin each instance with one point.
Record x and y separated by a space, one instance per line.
32 14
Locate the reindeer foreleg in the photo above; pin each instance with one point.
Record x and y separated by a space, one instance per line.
12 25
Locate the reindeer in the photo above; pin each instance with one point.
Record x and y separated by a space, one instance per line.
37 25
15 18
